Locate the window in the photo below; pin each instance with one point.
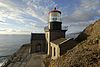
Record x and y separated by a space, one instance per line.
54 19
47 35
54 52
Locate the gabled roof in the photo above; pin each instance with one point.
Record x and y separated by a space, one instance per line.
59 41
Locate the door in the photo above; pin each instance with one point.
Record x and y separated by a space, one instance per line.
38 47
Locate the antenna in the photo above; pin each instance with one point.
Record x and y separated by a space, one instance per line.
55 7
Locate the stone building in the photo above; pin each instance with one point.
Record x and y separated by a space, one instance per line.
38 43
53 40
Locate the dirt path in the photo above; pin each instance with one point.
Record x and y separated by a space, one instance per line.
35 61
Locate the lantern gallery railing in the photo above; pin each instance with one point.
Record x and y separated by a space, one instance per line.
46 28
63 28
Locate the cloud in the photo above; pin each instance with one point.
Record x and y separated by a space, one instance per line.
3 23
32 15
90 4
87 10
9 11
39 8
2 30
11 17
83 15
79 16
14 31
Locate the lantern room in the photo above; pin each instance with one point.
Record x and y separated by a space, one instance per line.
55 15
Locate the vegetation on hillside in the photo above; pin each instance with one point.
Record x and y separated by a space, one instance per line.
87 51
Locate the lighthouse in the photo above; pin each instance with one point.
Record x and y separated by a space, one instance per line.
54 19
54 29
55 15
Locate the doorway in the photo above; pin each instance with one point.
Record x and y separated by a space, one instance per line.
38 47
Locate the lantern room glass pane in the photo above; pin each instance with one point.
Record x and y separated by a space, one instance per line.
54 16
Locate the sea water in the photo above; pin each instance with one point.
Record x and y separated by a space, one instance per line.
11 43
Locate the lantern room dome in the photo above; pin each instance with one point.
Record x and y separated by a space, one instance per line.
55 10
54 15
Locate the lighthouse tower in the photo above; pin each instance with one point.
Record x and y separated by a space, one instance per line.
54 29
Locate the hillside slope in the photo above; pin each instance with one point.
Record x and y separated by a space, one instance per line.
87 51
92 30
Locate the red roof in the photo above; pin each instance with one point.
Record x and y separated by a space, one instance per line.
55 10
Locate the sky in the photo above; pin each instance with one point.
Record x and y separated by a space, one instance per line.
26 16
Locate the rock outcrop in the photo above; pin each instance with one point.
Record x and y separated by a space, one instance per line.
87 51
23 58
92 30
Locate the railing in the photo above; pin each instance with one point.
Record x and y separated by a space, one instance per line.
65 28
46 28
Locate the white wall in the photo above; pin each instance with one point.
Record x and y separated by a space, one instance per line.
57 51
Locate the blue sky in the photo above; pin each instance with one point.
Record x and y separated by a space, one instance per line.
26 16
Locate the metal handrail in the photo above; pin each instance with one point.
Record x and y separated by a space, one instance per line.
65 28
46 28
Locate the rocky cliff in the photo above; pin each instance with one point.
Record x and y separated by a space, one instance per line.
23 58
87 51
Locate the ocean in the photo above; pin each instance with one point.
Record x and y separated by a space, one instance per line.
11 43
